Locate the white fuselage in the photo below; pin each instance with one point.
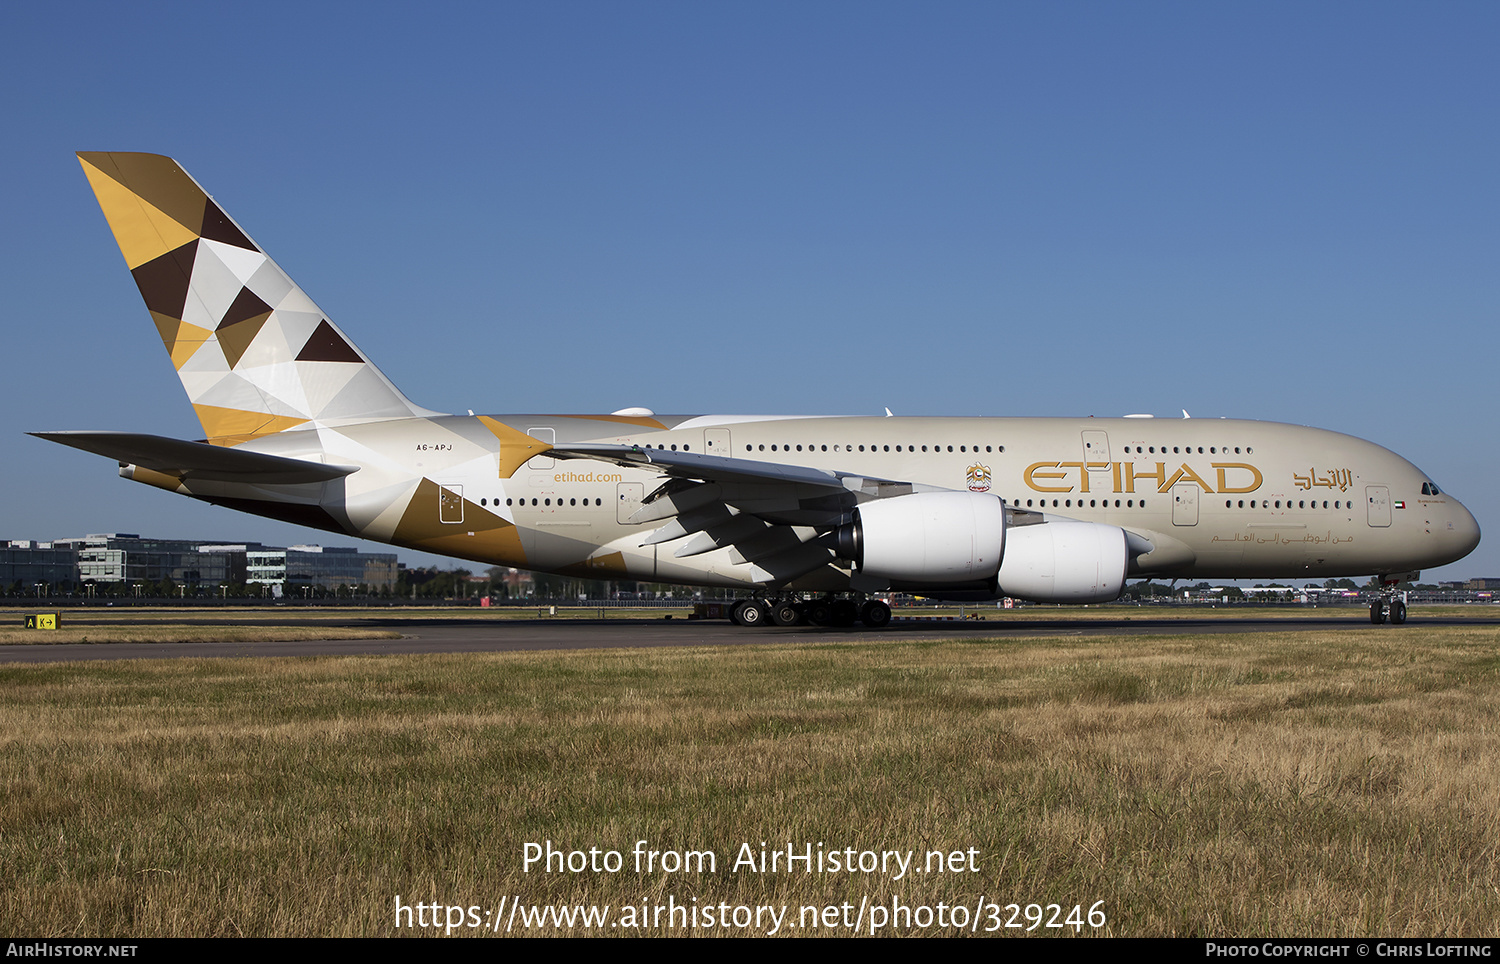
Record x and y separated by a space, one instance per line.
1215 498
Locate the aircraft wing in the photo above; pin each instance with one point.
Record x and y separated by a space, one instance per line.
773 517
717 468
199 460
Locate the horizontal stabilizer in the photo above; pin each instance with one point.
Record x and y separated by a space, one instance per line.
199 460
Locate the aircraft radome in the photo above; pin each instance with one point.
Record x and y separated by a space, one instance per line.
808 516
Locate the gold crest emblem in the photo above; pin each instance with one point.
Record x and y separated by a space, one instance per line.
979 478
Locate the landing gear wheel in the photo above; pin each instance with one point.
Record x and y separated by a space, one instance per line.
821 612
1377 613
751 612
1398 612
844 612
875 614
785 614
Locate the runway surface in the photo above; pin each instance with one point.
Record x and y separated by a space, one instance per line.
444 635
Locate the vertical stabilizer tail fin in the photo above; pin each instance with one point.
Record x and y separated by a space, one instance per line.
255 354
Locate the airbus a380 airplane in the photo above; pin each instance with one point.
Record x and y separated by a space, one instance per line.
302 427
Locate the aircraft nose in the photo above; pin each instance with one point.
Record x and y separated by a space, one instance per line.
1463 530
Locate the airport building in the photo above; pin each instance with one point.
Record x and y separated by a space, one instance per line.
126 557
26 566
328 567
122 558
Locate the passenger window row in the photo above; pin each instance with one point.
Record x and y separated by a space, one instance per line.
546 502
1186 450
1068 503
872 448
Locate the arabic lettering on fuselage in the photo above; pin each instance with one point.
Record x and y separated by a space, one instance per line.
1340 479
1285 538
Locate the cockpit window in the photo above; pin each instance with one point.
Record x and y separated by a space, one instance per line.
1430 488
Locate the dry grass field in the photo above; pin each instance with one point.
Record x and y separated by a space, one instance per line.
1326 782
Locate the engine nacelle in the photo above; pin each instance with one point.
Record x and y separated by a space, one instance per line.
928 538
1064 562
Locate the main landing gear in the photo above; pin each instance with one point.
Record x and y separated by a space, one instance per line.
1390 602
823 611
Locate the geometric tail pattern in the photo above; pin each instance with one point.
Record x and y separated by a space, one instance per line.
254 353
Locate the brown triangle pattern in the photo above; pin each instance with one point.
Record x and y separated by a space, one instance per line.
247 305
159 216
218 227
164 281
167 327
326 345
156 180
234 340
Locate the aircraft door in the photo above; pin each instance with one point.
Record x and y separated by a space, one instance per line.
1378 504
549 436
628 496
1096 458
1185 504
716 442
451 504
1096 446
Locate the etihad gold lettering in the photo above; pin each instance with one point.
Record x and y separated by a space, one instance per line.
1131 475
1224 486
1032 474
1231 477
1186 473
1093 467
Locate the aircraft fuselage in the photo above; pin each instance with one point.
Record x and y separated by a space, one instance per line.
1216 498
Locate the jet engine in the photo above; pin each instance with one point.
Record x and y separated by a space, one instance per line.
1064 562
928 538
959 541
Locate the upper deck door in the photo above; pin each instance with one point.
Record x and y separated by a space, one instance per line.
1378 504
716 442
548 436
1096 460
1096 446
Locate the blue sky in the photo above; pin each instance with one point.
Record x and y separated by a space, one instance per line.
1277 211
